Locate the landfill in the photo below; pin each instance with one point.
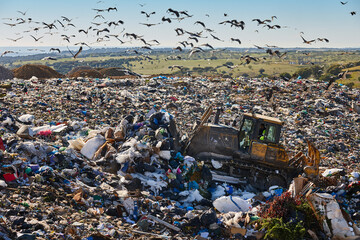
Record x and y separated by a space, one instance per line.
92 158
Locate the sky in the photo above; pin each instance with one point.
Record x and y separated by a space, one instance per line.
310 18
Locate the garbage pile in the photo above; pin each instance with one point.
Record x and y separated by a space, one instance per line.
103 159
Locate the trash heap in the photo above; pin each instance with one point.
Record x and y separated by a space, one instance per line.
103 159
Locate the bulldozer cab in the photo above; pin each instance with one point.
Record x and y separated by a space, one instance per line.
259 136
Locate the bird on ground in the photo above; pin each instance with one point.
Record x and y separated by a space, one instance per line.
307 42
49 58
231 67
176 66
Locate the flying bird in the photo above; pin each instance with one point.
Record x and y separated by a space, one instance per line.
185 13
78 52
353 13
307 42
174 12
14 40
86 32
99 16
178 48
102 30
323 39
235 40
164 19
55 49
343 3
149 24
207 45
22 13
111 8
216 38
179 31
260 21
6 52
196 50
258 47
36 39
200 23
147 14
248 59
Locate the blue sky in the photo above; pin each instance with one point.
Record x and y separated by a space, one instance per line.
315 18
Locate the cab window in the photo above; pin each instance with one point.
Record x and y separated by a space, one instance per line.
245 133
267 133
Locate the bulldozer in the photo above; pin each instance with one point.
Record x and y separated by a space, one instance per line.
250 153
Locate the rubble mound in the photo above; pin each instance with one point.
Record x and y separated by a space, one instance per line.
74 70
90 73
39 71
5 73
112 72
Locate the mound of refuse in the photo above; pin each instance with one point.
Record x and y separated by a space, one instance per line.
112 72
74 70
90 73
40 71
5 73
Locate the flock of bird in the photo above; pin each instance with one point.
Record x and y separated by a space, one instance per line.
103 29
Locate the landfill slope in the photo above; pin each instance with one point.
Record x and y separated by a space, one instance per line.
92 158
40 71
